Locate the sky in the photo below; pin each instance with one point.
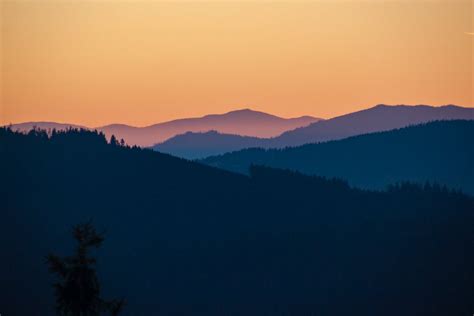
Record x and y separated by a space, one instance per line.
143 62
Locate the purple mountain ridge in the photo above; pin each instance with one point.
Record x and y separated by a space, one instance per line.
244 122
376 119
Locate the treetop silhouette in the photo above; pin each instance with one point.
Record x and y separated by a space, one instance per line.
78 290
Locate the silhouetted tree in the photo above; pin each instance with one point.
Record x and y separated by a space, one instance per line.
114 141
78 290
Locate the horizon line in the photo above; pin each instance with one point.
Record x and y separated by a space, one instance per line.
225 113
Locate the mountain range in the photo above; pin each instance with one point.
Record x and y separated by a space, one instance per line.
244 122
440 151
375 119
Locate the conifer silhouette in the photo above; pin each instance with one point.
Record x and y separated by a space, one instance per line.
114 141
78 290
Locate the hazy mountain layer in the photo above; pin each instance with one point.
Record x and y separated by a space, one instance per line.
378 118
242 122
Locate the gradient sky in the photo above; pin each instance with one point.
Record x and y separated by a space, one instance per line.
142 62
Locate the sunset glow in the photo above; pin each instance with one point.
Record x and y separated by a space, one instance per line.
143 62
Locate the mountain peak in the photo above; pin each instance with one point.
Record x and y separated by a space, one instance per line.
247 111
244 110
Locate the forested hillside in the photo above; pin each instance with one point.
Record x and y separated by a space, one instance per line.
440 152
183 237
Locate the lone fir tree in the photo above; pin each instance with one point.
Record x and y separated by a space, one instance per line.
78 290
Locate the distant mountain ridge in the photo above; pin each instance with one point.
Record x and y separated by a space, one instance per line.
27 126
242 122
378 118
440 152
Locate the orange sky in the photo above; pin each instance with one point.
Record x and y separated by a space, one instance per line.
142 62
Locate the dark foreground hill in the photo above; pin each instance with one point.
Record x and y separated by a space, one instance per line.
186 239
441 151
376 119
